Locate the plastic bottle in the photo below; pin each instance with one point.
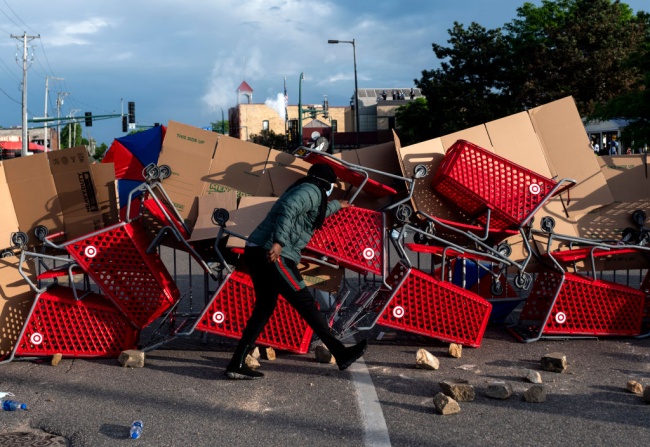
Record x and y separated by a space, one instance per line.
12 405
136 429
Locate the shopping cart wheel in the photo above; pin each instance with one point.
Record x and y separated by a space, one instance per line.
41 232
547 224
165 172
630 236
504 249
523 280
151 172
6 253
220 216
19 239
639 217
403 213
420 171
496 288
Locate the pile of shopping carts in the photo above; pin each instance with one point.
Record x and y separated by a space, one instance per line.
95 296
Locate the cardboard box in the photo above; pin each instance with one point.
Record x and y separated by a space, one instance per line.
188 151
249 214
76 191
34 195
8 219
237 164
321 277
16 299
104 177
205 229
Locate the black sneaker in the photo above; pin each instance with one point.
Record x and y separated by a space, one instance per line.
351 355
242 372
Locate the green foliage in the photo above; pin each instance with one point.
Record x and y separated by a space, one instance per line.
221 127
270 139
588 49
100 151
71 135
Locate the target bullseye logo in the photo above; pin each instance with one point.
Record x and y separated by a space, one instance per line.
36 338
560 318
90 251
218 317
398 312
368 253
534 188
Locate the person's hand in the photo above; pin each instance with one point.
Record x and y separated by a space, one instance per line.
344 204
274 253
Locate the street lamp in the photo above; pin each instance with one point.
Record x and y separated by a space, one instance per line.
356 88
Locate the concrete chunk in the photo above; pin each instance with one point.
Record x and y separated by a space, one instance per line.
554 362
499 390
533 376
132 358
56 359
535 394
445 405
323 355
425 360
455 350
458 389
634 387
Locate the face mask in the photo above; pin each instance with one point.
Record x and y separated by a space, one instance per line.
329 191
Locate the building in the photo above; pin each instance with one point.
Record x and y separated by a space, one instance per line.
13 137
336 123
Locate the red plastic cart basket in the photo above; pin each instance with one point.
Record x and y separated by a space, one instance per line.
232 305
352 238
474 180
572 305
427 306
137 282
348 175
60 324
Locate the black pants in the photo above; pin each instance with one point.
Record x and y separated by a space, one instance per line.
282 277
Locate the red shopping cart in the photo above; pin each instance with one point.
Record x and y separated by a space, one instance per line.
492 189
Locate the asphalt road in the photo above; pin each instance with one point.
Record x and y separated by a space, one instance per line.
184 399
382 400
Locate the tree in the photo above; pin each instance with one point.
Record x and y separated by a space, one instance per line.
221 127
572 47
100 151
412 122
270 139
635 105
71 135
467 88
579 48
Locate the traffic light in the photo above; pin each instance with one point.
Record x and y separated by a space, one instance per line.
125 125
131 112
89 119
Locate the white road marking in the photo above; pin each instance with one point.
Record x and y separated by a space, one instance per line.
375 432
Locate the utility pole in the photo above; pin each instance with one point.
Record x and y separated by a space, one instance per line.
25 39
47 78
59 103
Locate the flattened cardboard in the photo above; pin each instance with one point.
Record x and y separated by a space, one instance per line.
8 219
569 155
238 164
104 177
34 194
284 169
188 151
76 190
205 229
249 214
16 299
321 277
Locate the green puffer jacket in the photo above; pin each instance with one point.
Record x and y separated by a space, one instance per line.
291 221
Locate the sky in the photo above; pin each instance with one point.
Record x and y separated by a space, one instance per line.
183 61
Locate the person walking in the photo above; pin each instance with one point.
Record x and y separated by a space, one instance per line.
272 253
